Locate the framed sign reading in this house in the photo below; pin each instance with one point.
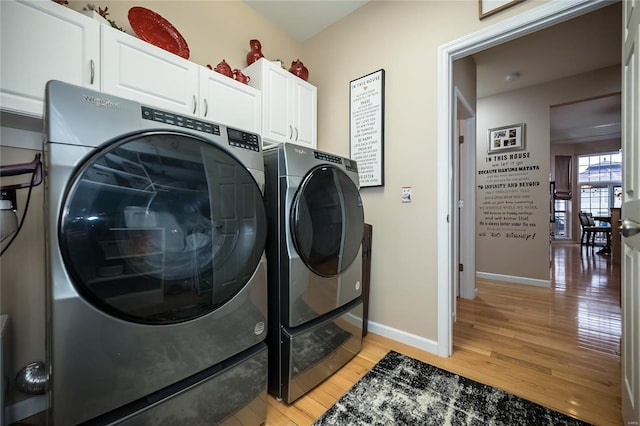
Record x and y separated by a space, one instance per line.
367 127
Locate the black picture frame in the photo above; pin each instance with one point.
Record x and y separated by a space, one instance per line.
491 7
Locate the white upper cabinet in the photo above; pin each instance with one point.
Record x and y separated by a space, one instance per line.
137 70
227 101
289 104
305 113
42 41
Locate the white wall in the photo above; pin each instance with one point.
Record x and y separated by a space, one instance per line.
464 79
515 257
401 37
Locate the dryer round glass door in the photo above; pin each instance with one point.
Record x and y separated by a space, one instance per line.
327 221
161 227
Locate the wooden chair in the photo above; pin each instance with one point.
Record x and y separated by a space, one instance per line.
590 230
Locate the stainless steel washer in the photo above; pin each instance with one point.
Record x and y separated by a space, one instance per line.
156 273
314 250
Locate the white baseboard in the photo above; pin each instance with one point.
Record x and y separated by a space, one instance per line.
25 408
404 337
513 279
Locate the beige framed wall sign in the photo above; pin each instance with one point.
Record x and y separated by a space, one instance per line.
366 107
507 138
490 7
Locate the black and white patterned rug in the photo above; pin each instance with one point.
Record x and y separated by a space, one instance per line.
400 390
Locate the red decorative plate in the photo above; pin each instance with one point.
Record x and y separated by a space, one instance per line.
154 29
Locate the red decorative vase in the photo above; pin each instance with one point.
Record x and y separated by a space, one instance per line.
224 69
239 76
298 69
255 53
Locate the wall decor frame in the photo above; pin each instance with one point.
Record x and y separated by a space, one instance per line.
366 127
507 138
491 7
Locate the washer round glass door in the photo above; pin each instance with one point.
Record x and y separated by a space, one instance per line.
161 227
327 221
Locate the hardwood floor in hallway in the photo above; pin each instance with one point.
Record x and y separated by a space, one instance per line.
558 346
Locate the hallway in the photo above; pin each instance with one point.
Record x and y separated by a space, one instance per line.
558 347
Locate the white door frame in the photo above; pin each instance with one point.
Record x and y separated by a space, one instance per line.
466 241
543 16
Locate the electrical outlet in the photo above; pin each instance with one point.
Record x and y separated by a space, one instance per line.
406 194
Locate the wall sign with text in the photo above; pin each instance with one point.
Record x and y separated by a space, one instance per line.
366 97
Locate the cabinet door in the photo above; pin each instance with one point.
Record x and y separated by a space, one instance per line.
276 105
304 111
137 70
226 101
289 104
42 41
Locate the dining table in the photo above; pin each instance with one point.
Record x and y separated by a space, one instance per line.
607 248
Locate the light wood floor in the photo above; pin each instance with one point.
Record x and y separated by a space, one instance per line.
559 347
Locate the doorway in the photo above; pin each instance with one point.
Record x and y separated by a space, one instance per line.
529 22
593 143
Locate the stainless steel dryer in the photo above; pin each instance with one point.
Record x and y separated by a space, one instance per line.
314 252
156 272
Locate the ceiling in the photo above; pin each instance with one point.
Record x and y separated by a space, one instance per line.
587 121
583 44
302 19
580 45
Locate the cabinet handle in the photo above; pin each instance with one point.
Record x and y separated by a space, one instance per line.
195 103
290 131
206 107
296 133
93 71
